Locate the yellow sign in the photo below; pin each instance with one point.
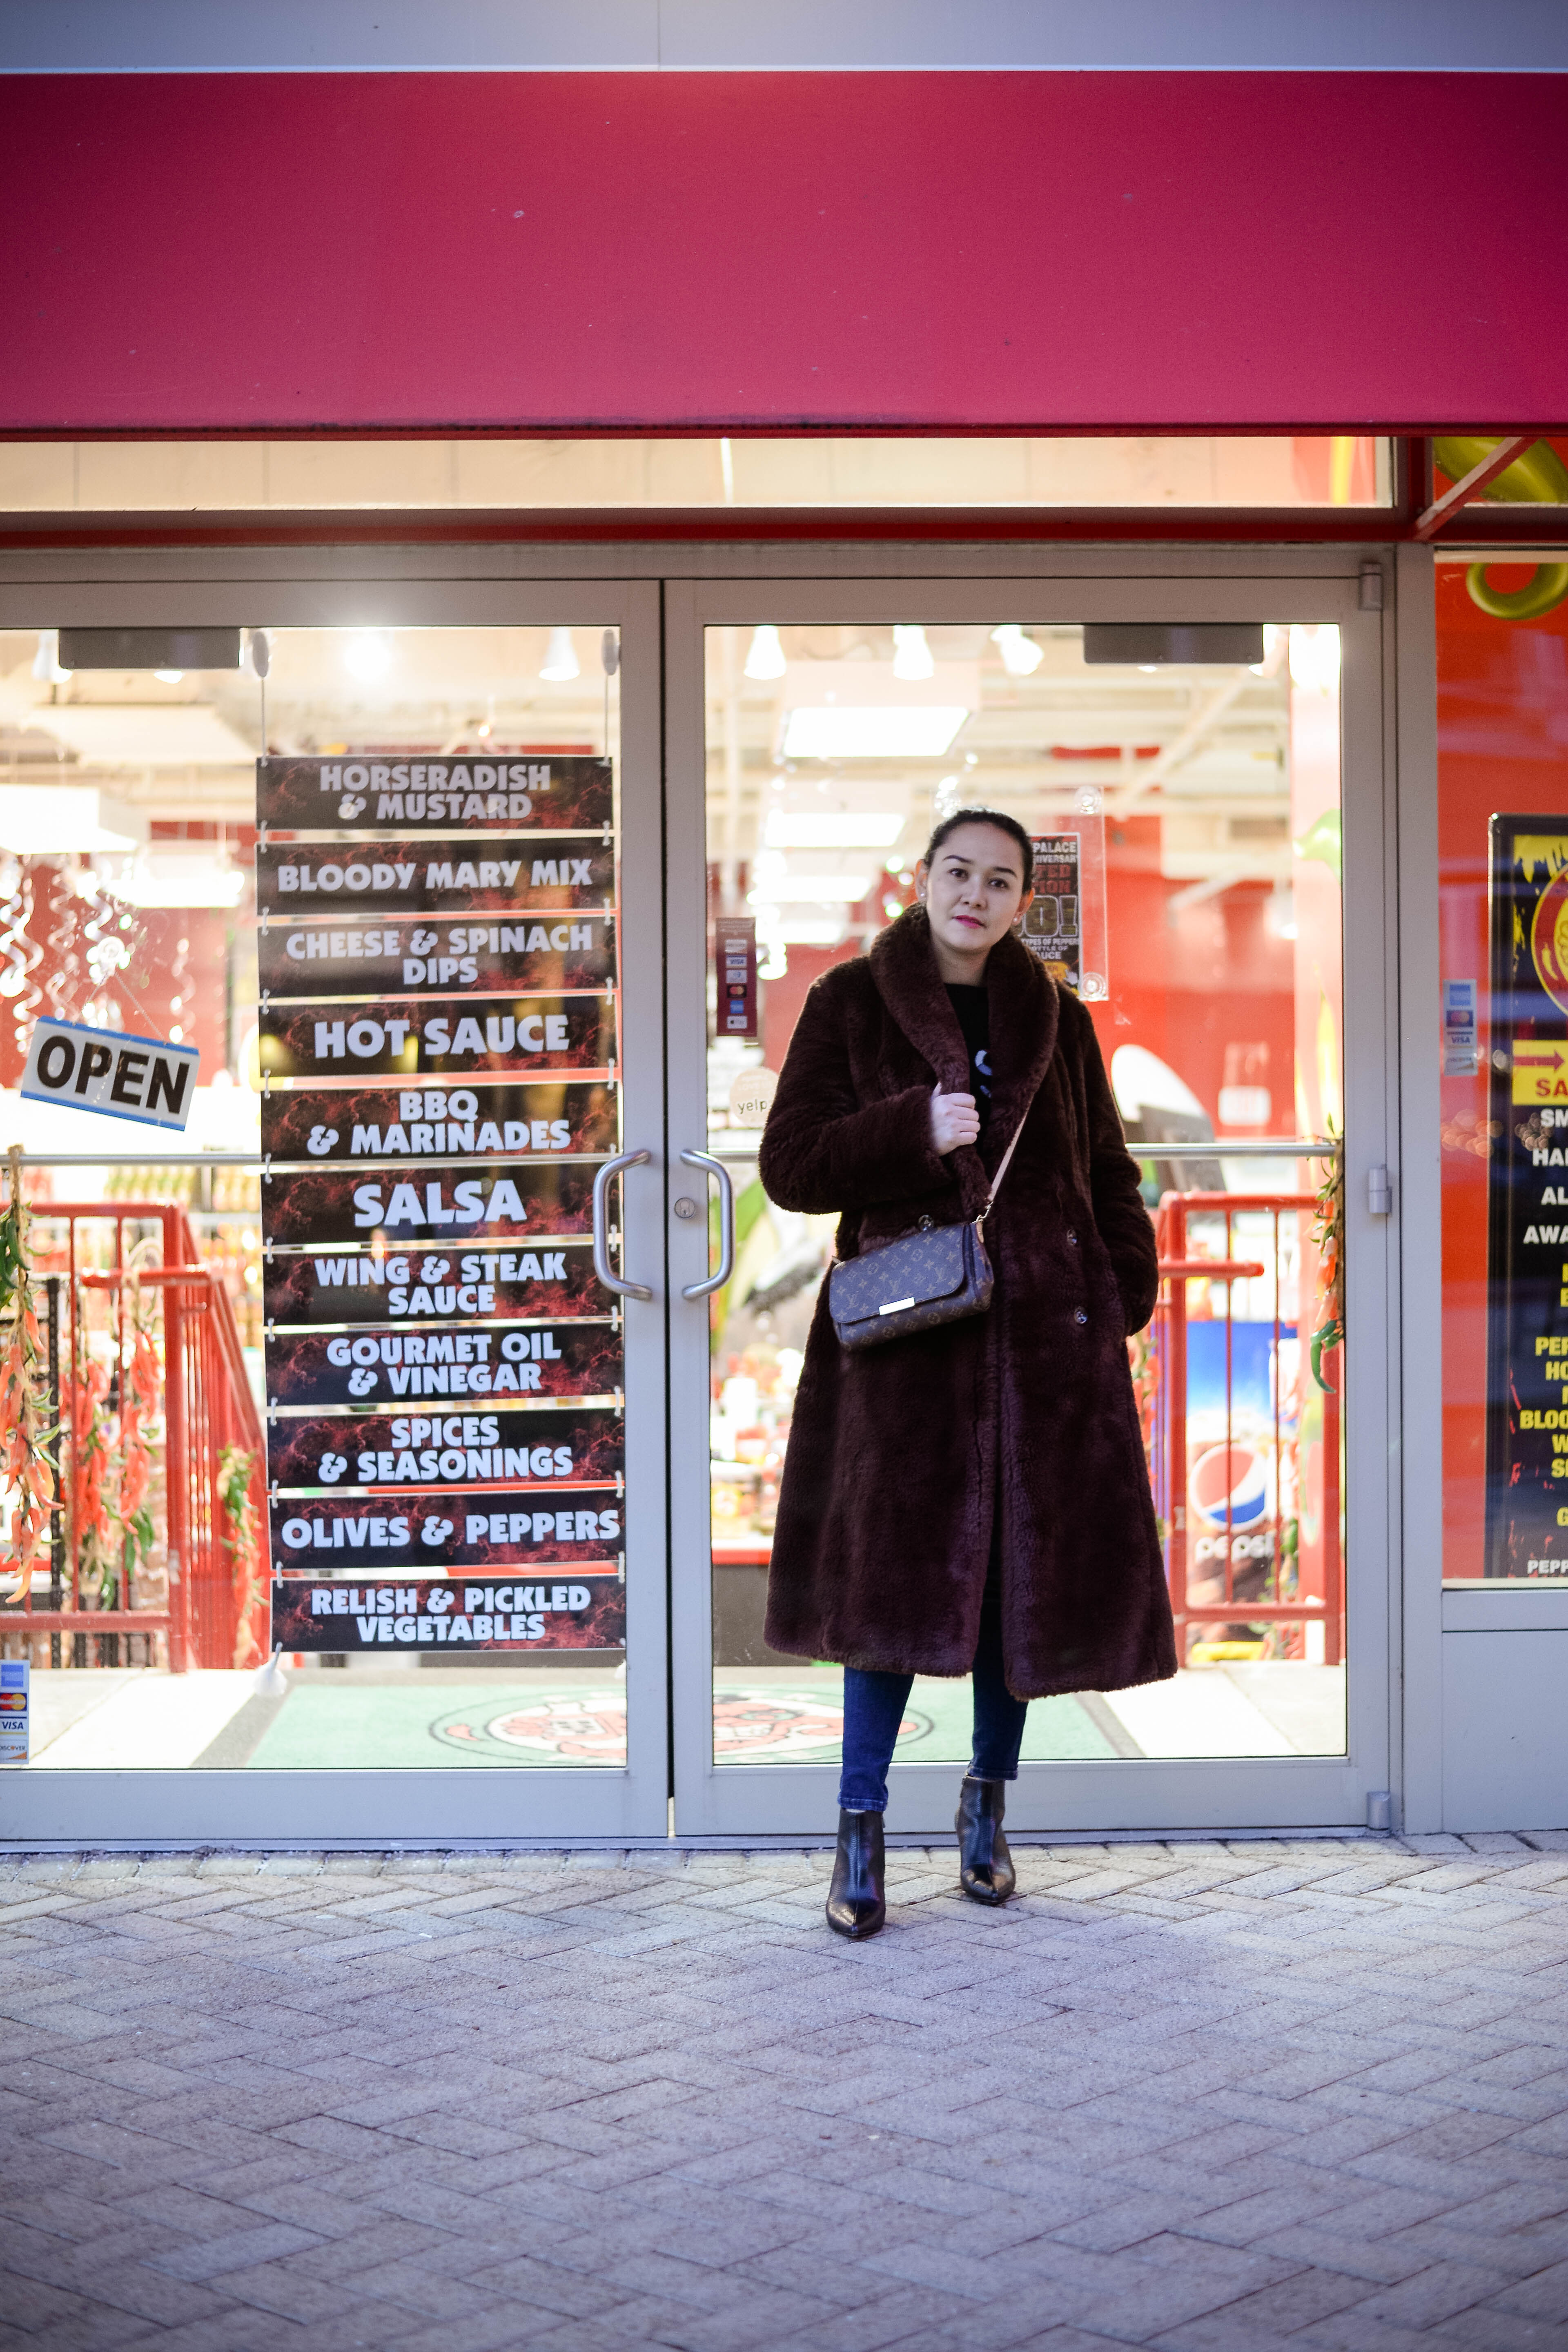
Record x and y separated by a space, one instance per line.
1540 1070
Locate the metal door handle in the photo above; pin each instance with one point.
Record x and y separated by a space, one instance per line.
602 1266
726 1225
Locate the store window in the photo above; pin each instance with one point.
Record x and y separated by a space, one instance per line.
1183 790
365 1333
868 470
1502 1029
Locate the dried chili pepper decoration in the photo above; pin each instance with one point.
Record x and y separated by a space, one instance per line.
1329 1238
25 1467
233 1474
91 1528
141 1382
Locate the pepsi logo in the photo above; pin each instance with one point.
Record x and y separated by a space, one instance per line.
1235 1474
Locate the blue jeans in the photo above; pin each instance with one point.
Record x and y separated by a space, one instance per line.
874 1705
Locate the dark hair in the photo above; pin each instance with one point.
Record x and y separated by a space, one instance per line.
1002 822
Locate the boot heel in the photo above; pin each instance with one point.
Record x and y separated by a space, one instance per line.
857 1901
985 1869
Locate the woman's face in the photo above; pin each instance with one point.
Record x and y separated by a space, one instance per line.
974 889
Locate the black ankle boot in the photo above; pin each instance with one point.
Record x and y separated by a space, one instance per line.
985 1866
856 1901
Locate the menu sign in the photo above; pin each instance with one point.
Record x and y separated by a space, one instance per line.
336 1288
577 1613
365 794
412 877
402 1123
1527 1312
440 1357
453 1036
317 1368
312 1207
382 959
432 1448
360 1535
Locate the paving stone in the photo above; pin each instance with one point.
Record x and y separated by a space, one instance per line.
1203 2095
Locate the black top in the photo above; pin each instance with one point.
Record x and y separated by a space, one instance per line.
973 1007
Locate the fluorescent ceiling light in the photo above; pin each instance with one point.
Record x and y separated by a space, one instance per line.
911 655
873 829
1315 658
179 873
1021 657
66 820
765 657
46 660
924 731
814 890
807 931
143 735
560 659
367 654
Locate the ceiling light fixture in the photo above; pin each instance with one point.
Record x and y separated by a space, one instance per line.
870 831
367 654
920 731
64 819
812 890
1021 657
1315 658
46 660
179 873
765 655
560 661
911 655
809 931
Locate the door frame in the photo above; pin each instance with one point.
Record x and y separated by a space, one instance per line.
1116 1795
443 1806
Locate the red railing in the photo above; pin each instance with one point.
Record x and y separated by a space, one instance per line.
195 1589
1289 1555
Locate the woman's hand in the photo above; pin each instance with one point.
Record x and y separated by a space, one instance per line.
954 1120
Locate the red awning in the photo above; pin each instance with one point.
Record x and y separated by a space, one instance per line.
534 253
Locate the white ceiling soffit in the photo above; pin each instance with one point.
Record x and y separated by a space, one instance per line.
143 734
719 35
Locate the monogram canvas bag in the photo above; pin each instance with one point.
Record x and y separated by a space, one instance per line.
938 1274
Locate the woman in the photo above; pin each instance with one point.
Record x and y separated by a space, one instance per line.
971 1498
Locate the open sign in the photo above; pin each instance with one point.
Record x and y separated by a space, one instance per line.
105 1070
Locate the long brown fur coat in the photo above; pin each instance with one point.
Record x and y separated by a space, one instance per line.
891 1481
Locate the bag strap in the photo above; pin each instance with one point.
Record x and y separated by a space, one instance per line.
1002 1171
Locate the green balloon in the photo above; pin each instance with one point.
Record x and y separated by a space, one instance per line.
1536 478
1542 592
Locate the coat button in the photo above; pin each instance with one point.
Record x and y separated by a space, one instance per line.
1072 1238
1078 1316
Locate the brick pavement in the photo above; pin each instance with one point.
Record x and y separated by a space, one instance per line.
1208 2097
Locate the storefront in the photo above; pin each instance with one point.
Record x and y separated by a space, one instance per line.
476 760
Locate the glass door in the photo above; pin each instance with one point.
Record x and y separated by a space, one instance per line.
357 1477
1197 766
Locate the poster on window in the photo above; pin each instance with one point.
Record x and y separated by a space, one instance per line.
336 1288
392 959
557 1612
423 878
534 1445
362 1536
450 1037
575 1359
1527 1271
1053 920
363 793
